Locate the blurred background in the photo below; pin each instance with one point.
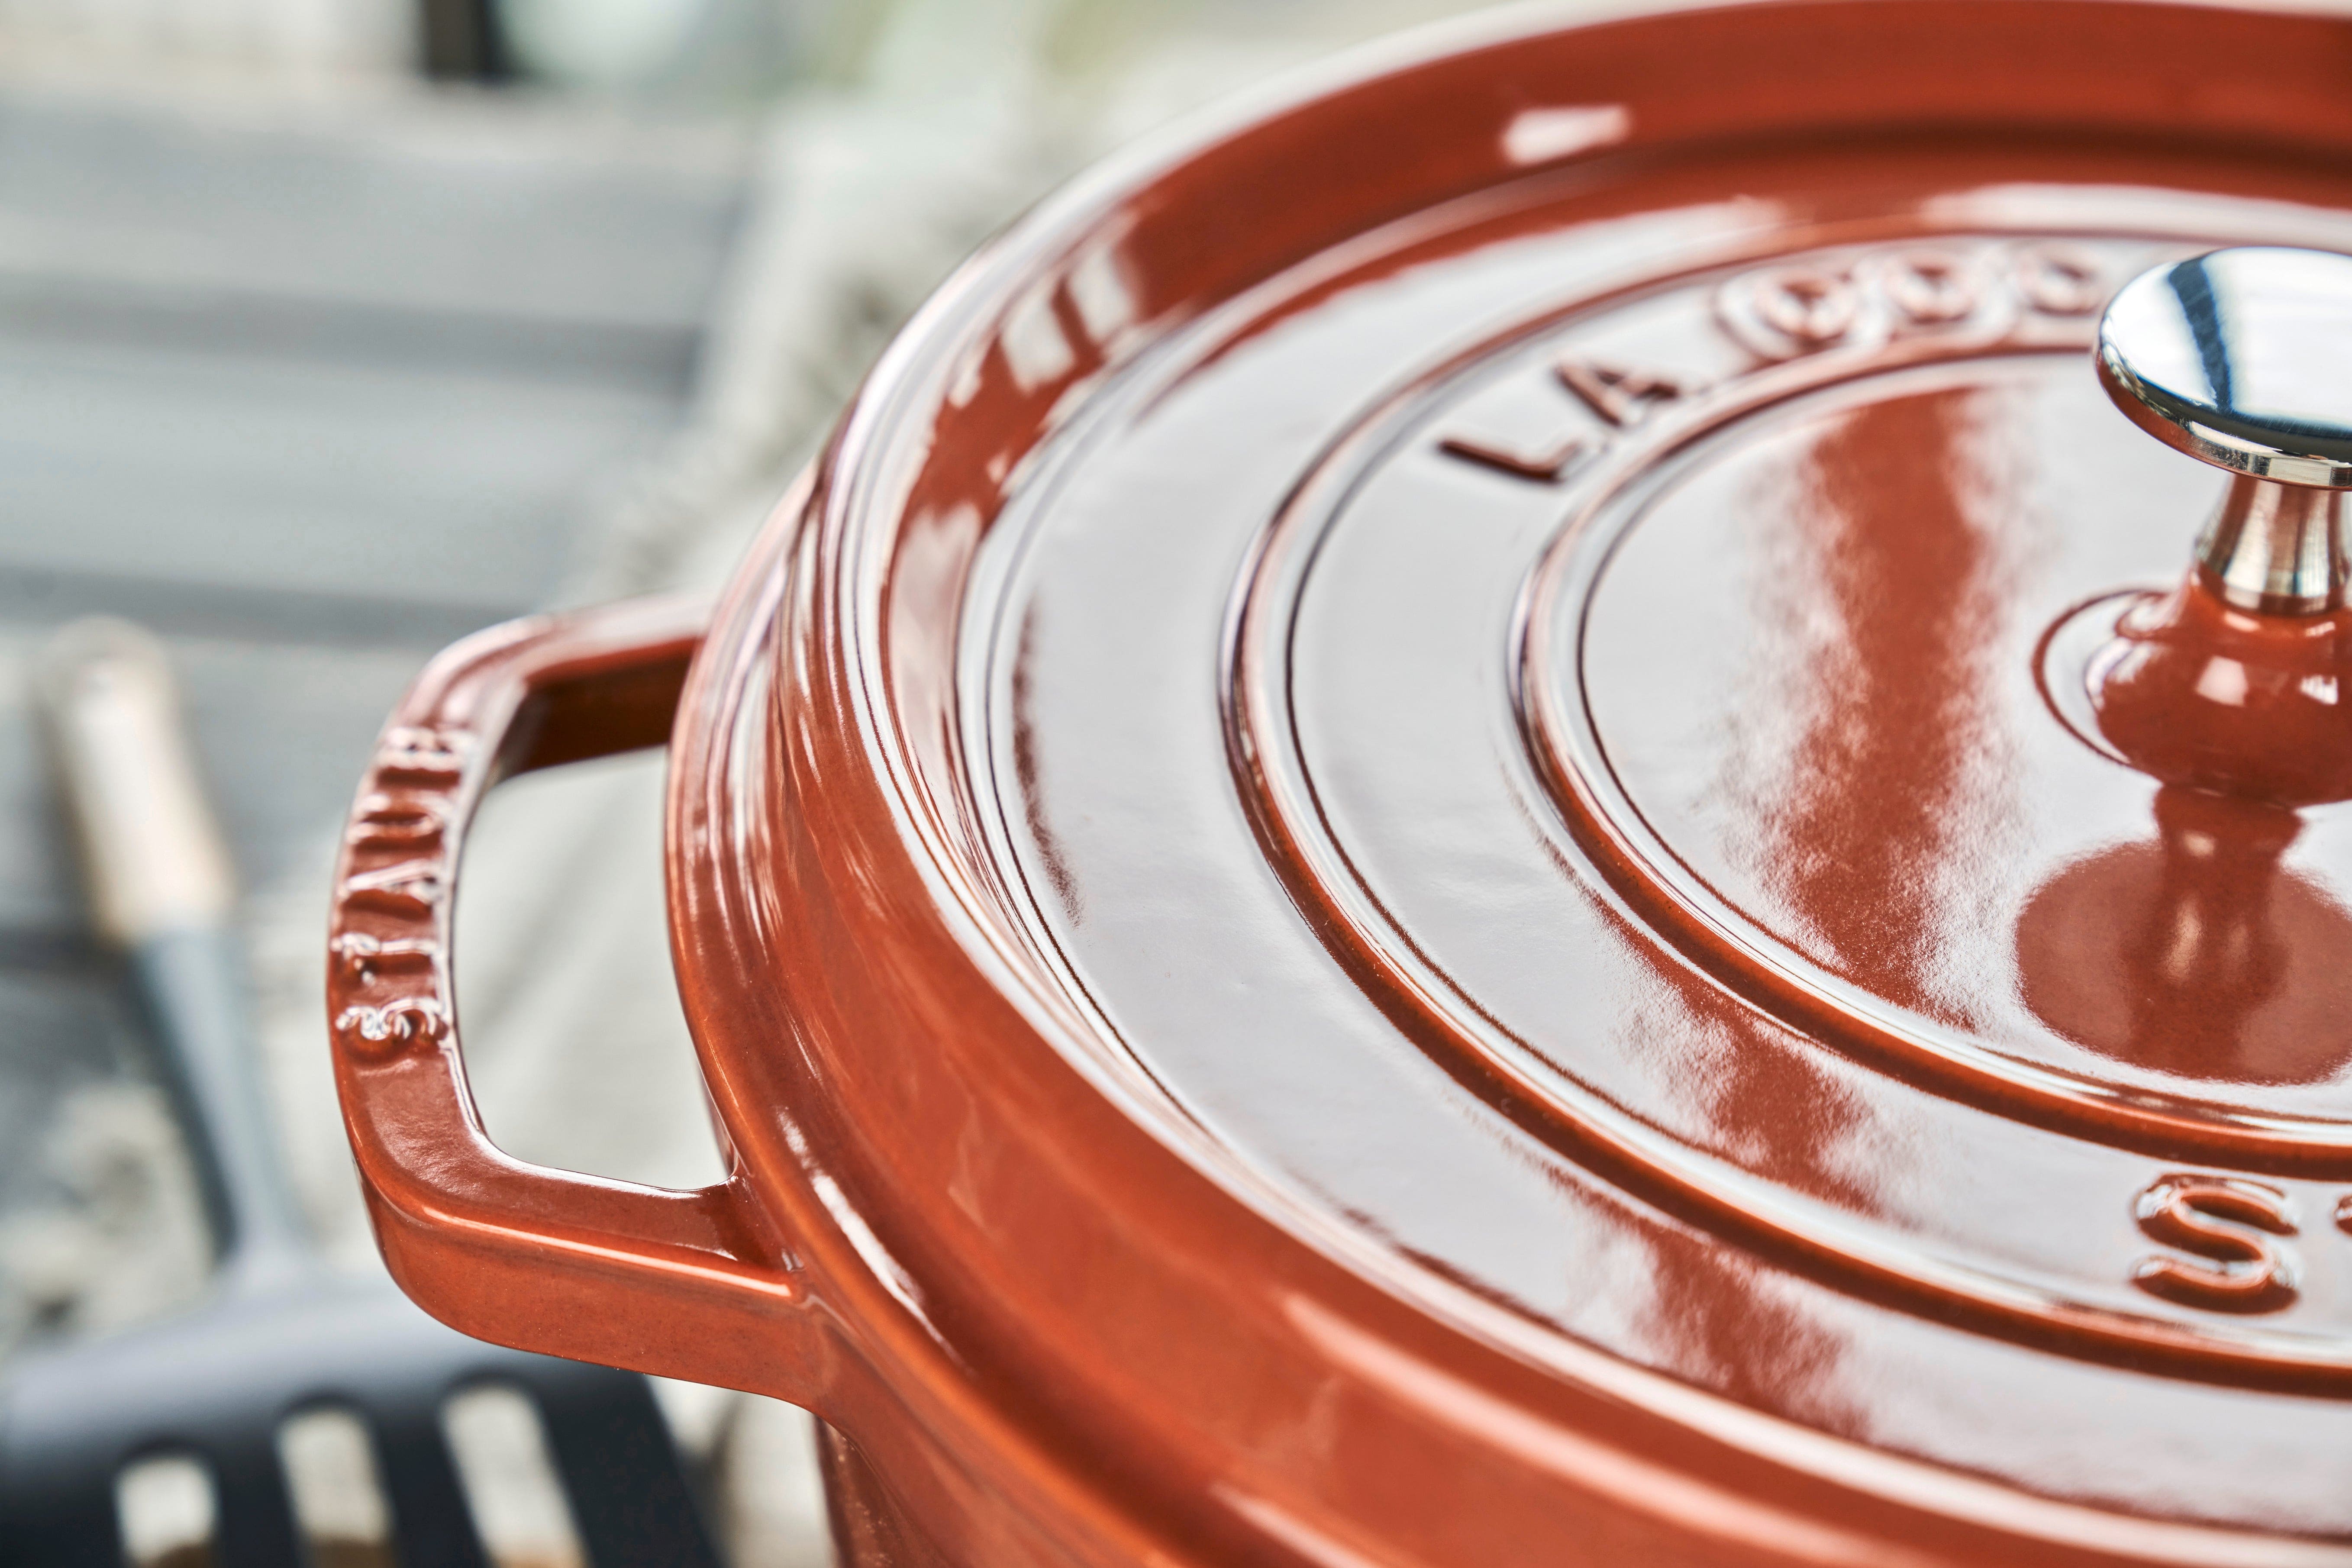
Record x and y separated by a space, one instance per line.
332 330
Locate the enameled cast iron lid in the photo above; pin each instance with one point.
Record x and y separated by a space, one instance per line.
1586 722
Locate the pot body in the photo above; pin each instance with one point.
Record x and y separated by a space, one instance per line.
1243 1033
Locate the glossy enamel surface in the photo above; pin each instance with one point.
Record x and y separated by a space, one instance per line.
1428 847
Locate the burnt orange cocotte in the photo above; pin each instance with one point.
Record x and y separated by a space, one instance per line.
1411 853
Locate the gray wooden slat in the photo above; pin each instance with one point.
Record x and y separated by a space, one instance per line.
464 203
304 476
41 595
653 357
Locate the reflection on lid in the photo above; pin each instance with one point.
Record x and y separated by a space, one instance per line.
1903 588
2197 954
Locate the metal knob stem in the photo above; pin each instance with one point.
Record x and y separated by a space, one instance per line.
2243 359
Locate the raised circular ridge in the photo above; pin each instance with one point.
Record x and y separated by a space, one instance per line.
1611 836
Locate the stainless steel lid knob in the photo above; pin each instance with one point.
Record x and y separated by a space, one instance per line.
2243 358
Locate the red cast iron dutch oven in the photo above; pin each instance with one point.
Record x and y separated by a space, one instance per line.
1492 817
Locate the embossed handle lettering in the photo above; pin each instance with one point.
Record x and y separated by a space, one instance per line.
395 822
371 1030
2226 1226
526 1256
408 887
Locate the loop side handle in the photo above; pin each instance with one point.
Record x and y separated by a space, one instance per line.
682 1284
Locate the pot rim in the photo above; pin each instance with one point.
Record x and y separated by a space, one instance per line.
843 513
